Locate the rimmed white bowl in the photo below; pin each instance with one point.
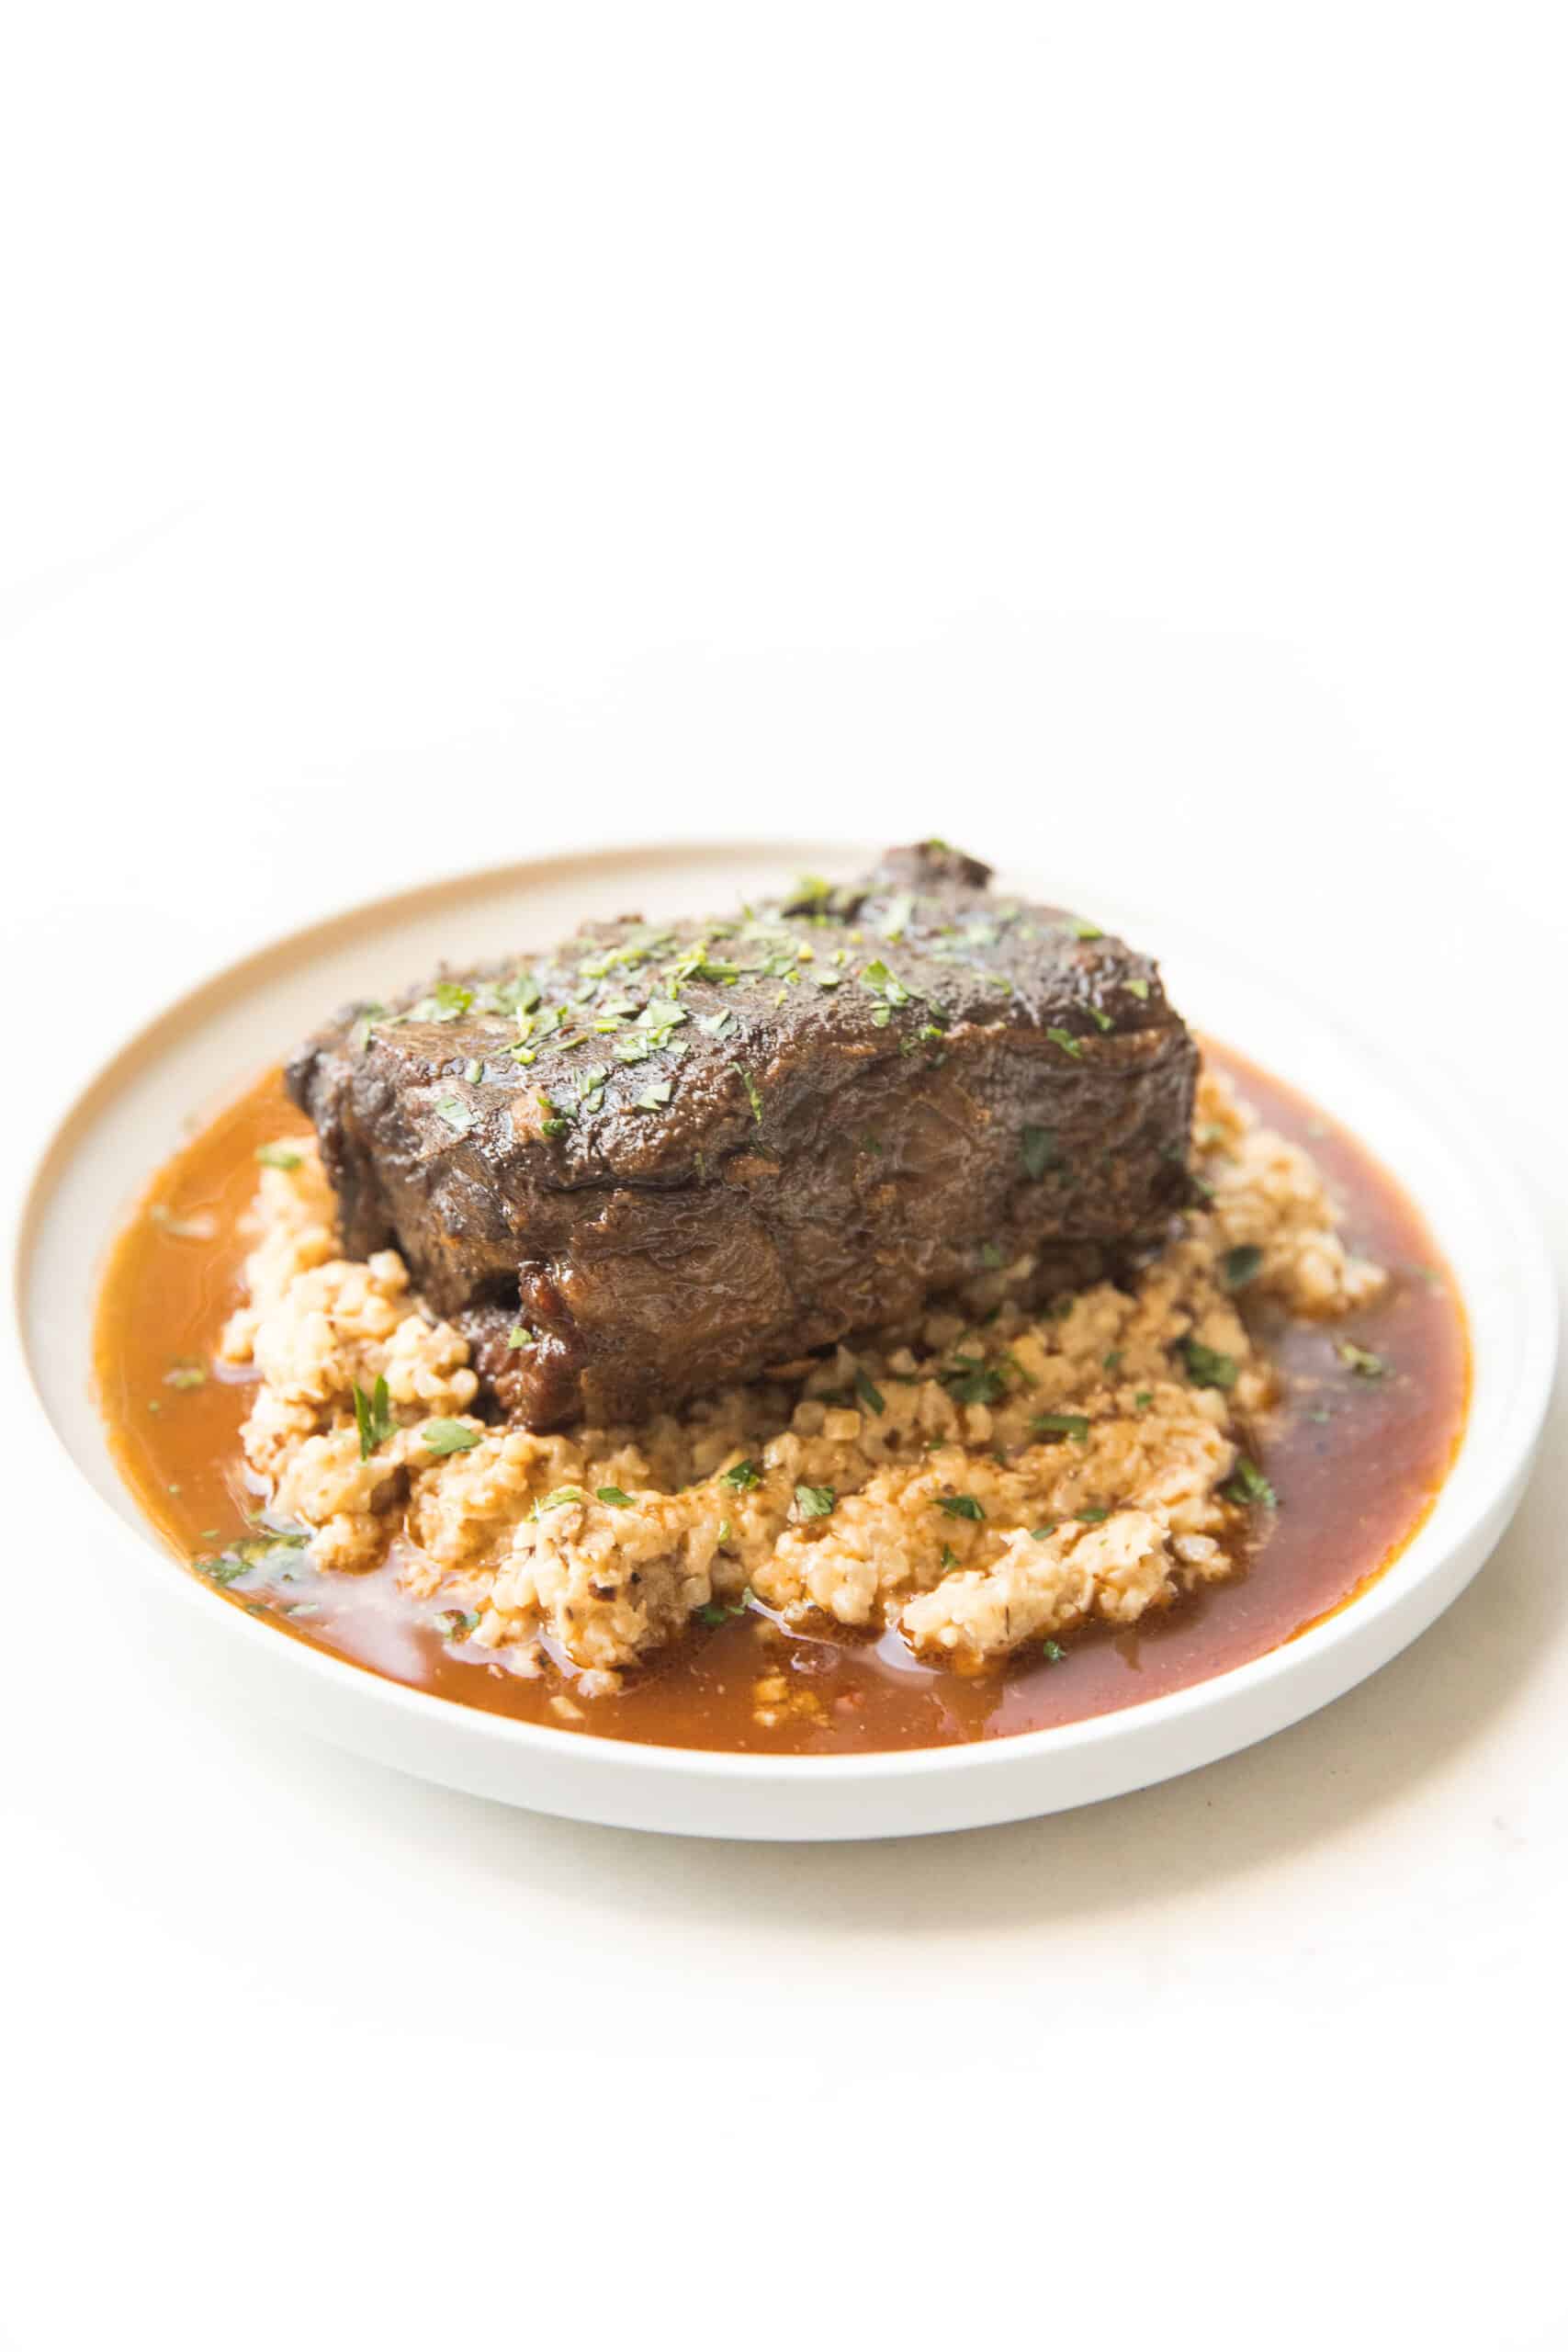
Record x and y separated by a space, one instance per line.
133 1114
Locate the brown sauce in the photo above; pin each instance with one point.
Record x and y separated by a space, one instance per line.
1357 1464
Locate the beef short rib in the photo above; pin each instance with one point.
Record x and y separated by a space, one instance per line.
663 1157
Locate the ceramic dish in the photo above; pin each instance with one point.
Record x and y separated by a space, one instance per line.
237 1022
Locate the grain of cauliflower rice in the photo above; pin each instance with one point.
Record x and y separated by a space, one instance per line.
1006 1475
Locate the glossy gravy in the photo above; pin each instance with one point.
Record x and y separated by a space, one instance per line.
1357 1461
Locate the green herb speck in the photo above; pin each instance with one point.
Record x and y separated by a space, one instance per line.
373 1417
449 1437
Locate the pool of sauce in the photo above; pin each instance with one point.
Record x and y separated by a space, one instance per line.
1357 1464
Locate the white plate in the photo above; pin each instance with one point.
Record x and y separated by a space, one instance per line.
136 1112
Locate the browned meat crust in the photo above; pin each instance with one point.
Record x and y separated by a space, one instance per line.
663 1157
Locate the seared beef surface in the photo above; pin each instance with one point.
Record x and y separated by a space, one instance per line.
661 1157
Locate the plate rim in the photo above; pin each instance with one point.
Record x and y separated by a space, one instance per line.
159 1565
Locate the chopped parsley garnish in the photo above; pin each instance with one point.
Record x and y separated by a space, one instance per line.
656 1096
949 1556
969 1380
1093 1517
1038 1150
1140 988
373 1417
1248 1485
614 1495
896 921
1038 1534
1111 1361
252 1552
1206 1367
555 1498
1358 1360
451 999
991 1256
886 984
1101 1020
867 1391
1068 1042
1143 1400
456 1624
752 1096
1239 1265
186 1375
458 1114
743 1476
1082 930
1073 1425
960 1506
660 1014
279 1155
717 1024
520 1336
719 1612
815 1502
449 1437
1053 1653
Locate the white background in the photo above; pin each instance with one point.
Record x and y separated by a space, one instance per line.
1134 435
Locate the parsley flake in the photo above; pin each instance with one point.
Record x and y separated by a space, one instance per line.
1206 1367
969 1380
557 1498
815 1502
373 1417
1248 1485
885 983
1075 1425
279 1155
960 1506
449 1437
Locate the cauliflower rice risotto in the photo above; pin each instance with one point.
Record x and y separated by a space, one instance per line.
1042 1500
